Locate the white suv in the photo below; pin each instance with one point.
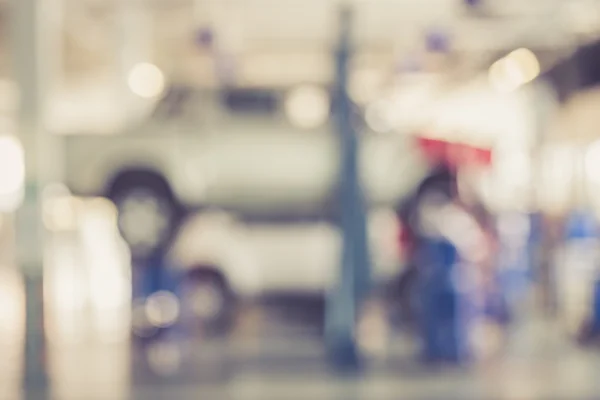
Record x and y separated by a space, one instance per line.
265 194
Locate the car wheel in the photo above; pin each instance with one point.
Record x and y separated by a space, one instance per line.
208 301
147 216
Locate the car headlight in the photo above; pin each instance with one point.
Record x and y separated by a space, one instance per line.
12 166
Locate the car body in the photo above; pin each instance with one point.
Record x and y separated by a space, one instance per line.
263 196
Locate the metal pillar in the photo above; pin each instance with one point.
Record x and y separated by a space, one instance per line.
26 32
353 282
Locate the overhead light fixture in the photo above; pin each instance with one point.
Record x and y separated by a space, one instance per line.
146 80
527 62
515 70
307 106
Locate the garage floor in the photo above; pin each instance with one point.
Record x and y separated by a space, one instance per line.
539 364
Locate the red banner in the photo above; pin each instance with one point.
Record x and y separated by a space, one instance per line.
455 154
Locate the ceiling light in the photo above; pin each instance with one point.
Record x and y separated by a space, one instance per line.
146 80
516 69
307 106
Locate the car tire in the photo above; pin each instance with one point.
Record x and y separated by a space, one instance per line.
208 301
148 215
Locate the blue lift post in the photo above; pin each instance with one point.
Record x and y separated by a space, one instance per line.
353 282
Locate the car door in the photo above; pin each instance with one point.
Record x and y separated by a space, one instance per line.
294 257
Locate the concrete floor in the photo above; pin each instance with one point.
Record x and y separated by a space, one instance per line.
540 363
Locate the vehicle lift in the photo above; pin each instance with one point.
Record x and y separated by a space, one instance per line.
344 300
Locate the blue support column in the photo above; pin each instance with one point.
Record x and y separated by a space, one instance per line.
354 278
